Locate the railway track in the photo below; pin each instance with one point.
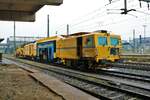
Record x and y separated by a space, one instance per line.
135 61
136 57
98 84
124 74
131 65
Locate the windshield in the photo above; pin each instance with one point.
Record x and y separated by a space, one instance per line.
102 41
114 41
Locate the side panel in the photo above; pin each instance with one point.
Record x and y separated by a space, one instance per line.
79 47
89 50
102 45
67 48
19 52
29 50
34 50
115 46
26 50
45 51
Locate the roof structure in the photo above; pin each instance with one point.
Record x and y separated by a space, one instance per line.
23 10
53 38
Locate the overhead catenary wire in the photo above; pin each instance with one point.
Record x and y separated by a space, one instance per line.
92 19
107 24
112 1
101 24
92 12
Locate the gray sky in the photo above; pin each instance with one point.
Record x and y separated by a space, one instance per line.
83 15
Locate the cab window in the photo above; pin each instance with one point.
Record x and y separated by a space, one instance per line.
89 42
102 41
114 41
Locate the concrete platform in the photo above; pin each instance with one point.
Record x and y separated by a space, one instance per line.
66 91
16 84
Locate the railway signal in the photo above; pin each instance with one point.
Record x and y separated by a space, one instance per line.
14 36
47 25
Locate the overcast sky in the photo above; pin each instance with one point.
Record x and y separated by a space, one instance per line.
83 15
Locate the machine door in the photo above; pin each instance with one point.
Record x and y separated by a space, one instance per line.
79 47
50 53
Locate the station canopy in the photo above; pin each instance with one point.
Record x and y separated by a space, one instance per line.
1 39
23 10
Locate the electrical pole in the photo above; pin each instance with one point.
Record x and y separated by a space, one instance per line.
125 9
134 40
67 29
144 41
125 6
47 25
56 33
14 36
144 31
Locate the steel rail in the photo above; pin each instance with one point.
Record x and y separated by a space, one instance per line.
129 65
144 78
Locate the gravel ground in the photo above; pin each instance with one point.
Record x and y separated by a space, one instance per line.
15 84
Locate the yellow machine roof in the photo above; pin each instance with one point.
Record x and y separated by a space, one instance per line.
49 39
81 34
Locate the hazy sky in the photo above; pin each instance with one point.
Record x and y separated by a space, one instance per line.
83 15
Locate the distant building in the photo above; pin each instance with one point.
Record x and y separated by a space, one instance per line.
126 45
138 45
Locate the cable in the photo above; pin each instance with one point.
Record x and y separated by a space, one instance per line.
113 1
94 16
99 9
142 12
